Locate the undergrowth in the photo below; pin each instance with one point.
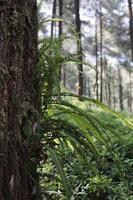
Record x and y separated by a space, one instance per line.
85 152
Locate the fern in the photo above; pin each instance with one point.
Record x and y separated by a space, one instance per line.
65 121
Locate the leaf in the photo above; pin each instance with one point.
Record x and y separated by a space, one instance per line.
59 166
45 20
102 106
89 126
27 130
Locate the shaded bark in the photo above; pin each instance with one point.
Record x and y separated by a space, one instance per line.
130 91
96 55
60 14
131 25
131 44
60 31
101 51
53 15
64 76
79 47
109 83
113 94
120 90
105 80
85 85
18 99
88 87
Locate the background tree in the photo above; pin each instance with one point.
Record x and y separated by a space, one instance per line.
120 89
53 15
101 50
131 25
60 33
96 54
79 47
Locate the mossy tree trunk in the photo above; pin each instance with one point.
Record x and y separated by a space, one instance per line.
18 99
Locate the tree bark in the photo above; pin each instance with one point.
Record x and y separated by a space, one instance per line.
96 55
109 83
105 68
113 94
131 44
53 15
79 47
101 51
60 33
64 76
131 25
130 91
120 89
18 99
60 15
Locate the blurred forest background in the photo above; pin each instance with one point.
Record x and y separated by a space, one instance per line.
105 31
86 48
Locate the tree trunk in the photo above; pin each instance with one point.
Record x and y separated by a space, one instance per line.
120 90
18 99
79 48
105 68
109 83
131 44
113 94
60 31
89 88
53 15
131 25
130 91
101 51
85 85
96 54
64 76
60 15
130 79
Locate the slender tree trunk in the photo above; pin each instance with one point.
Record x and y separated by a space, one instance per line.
53 15
85 85
101 52
60 30
18 99
109 82
120 90
79 47
113 94
130 91
60 14
89 88
105 80
131 25
64 76
131 44
96 54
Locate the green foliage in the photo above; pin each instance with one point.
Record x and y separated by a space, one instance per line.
50 62
27 128
80 159
92 177
61 172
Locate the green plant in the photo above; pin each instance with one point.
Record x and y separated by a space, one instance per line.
75 135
